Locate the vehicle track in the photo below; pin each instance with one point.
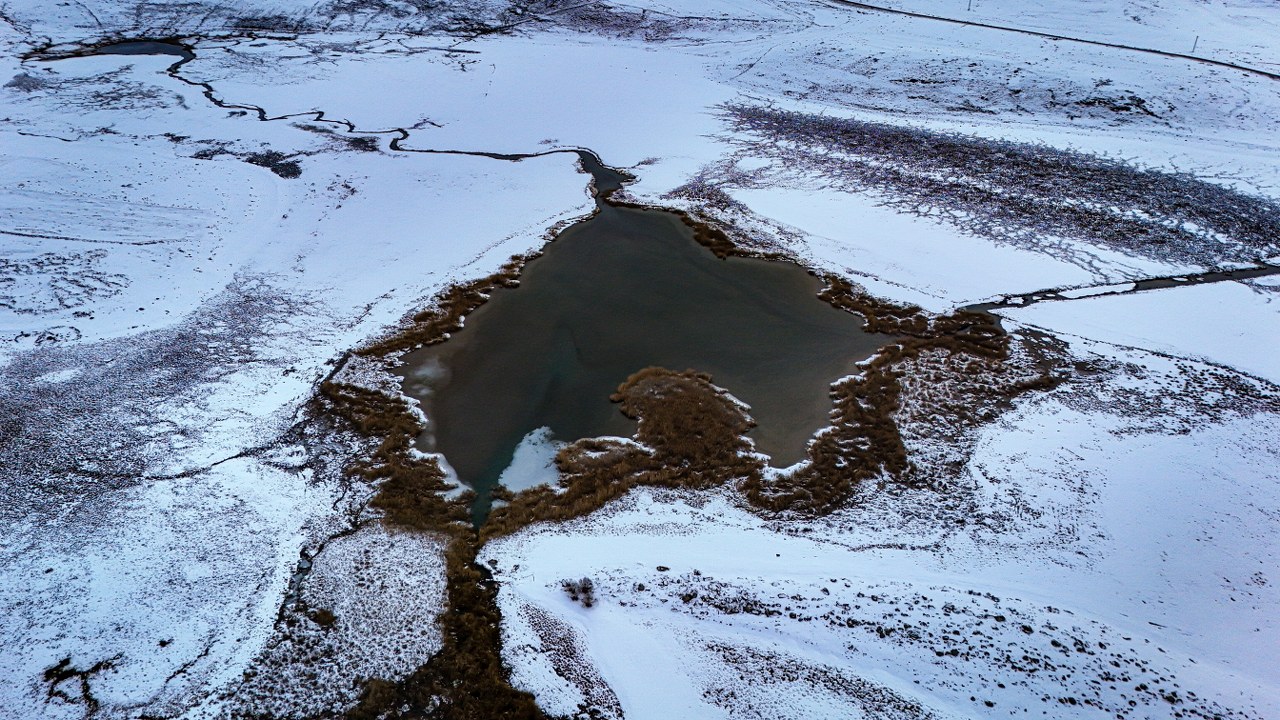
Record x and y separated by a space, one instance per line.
1055 37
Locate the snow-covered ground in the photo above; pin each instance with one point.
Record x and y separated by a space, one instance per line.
176 277
1238 31
1108 564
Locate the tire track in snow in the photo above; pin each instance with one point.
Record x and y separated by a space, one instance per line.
1057 38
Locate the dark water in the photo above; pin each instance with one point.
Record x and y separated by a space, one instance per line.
622 291
144 47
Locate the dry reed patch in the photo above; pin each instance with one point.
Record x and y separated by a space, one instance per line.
411 493
466 679
690 434
865 438
705 233
946 396
445 315
686 419
709 236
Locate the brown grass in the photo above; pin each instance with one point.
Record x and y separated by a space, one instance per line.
710 237
684 418
704 233
880 316
690 434
447 310
864 441
411 490
465 680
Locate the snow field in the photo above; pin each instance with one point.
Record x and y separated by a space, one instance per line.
149 580
324 261
1147 532
1093 542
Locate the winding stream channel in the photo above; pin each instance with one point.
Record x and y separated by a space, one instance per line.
1260 269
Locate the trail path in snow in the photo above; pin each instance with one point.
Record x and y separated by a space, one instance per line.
1055 37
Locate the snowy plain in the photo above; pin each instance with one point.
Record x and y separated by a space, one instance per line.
171 303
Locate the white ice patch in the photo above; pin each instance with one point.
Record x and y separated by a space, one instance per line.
533 463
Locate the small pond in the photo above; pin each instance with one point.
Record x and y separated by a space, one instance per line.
621 291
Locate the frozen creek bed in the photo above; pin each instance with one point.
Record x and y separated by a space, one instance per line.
192 242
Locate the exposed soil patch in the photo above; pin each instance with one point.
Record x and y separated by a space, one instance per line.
276 162
71 684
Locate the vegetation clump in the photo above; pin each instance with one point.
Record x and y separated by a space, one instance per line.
687 421
690 434
323 617
583 591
